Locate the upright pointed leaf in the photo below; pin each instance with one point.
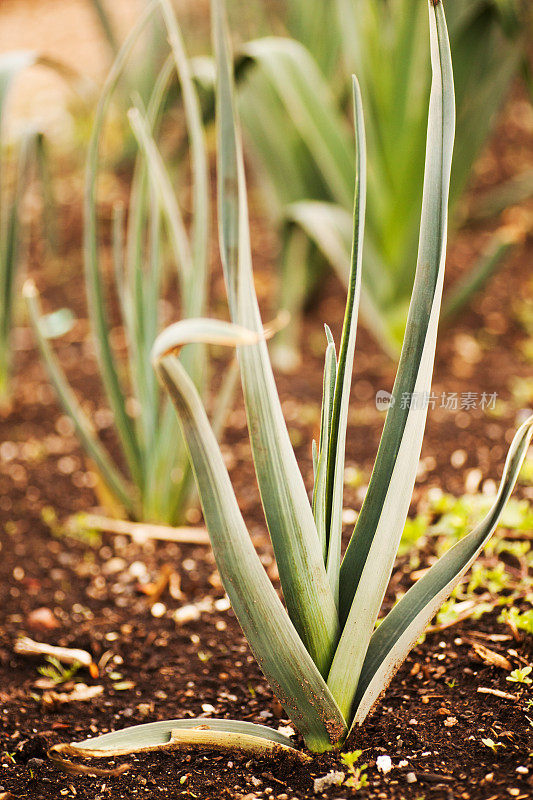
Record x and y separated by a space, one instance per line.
287 509
343 384
369 559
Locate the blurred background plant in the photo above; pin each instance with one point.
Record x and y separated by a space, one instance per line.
19 163
303 147
159 230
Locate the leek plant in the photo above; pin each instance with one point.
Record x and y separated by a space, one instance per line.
322 653
11 195
157 484
303 147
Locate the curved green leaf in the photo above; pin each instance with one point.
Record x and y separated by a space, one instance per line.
273 638
152 734
393 639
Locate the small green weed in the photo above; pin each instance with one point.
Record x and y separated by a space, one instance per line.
56 672
520 675
357 778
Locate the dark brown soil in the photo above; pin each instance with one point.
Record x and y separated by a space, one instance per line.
432 720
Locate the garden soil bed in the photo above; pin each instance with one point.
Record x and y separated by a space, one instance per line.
432 719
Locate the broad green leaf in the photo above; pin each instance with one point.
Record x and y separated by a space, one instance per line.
369 559
394 637
272 636
288 512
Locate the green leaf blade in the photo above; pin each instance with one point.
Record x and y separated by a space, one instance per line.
370 555
287 509
343 383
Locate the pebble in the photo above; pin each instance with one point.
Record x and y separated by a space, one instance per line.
333 778
42 619
223 604
158 610
522 770
410 777
383 764
185 614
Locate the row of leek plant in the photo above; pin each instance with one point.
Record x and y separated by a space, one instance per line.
14 180
303 146
321 652
157 484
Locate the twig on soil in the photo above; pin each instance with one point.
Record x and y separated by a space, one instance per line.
140 532
80 769
67 655
497 693
80 694
155 590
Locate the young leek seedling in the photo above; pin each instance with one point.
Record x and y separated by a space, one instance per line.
322 654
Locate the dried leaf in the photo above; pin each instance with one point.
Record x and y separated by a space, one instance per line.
491 657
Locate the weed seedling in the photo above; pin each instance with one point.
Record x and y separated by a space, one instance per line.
357 778
56 672
492 745
520 675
